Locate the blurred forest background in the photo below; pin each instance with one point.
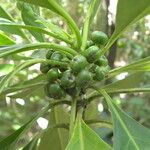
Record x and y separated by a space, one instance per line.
18 108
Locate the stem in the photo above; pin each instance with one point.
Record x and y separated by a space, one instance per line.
19 48
38 29
72 116
88 21
80 113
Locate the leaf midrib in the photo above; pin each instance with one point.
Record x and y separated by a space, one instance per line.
81 136
58 130
122 123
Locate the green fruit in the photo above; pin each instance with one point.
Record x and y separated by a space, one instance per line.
57 56
44 67
53 74
49 54
107 69
89 44
100 72
55 91
67 79
99 37
91 53
73 91
78 63
102 61
83 78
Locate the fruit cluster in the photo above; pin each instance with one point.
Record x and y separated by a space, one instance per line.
82 70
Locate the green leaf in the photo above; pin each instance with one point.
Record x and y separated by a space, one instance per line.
84 138
5 40
6 68
41 3
128 134
29 17
9 26
54 6
128 12
32 145
10 142
12 30
33 91
130 81
88 20
5 51
4 14
25 85
57 116
54 28
142 65
6 80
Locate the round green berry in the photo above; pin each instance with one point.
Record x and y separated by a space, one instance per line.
44 67
100 72
53 74
49 54
72 91
55 91
78 63
83 78
67 79
57 56
89 44
91 53
99 37
102 61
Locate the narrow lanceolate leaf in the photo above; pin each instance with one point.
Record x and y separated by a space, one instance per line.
57 116
131 81
4 14
32 145
10 142
58 31
128 134
5 81
25 85
29 17
138 66
13 30
95 94
54 6
5 51
88 21
9 26
5 40
41 3
128 12
84 138
6 68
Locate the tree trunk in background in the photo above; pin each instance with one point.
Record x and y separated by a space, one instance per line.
101 20
73 8
113 50
110 29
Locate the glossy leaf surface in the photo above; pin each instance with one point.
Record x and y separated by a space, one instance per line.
57 116
84 138
128 133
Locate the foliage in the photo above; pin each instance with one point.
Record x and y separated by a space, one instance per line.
73 67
